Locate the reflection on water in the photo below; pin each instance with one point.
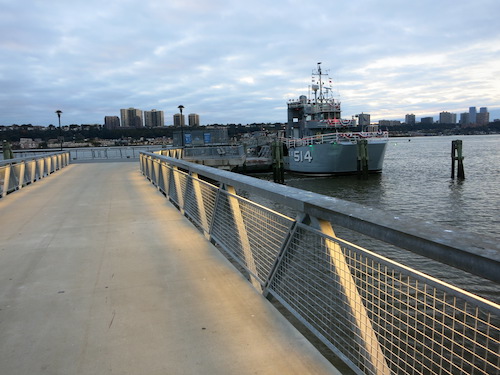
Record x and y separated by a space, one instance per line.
416 183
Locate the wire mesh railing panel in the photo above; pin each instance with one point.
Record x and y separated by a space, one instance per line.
29 172
307 284
183 181
256 241
172 189
166 172
178 186
224 226
40 168
53 164
266 231
208 199
199 203
420 326
15 174
160 178
190 203
155 171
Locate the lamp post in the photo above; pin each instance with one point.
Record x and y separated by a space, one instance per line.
181 107
60 131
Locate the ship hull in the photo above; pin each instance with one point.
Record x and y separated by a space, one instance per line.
333 158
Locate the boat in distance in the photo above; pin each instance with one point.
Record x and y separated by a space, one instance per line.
318 141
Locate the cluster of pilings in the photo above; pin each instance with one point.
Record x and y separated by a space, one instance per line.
278 163
362 146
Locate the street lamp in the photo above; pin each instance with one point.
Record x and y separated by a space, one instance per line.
181 107
60 131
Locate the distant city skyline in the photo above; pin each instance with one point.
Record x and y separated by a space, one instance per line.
452 118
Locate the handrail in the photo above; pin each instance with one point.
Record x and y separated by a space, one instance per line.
479 256
377 315
19 172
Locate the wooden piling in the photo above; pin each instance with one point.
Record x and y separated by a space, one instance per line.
278 163
456 155
362 146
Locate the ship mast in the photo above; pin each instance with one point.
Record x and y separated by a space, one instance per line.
320 79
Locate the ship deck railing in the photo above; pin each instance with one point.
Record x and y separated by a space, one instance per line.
337 137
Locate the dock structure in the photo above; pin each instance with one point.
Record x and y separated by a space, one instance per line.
119 267
101 274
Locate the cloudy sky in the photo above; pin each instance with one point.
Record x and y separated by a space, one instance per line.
235 61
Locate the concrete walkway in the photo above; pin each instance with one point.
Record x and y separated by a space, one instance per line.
100 274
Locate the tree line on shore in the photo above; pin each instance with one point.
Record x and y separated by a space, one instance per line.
82 133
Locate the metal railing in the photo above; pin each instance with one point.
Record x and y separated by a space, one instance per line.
377 315
351 137
108 153
19 172
114 153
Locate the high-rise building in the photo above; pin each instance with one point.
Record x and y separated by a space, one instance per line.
427 120
464 118
483 118
194 119
447 118
483 110
410 119
154 118
111 122
179 120
472 115
131 118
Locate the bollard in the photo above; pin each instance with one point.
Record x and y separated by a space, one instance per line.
456 155
278 165
362 146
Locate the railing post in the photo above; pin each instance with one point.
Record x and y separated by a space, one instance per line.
156 170
48 164
243 236
178 189
142 159
374 356
40 168
200 205
149 167
22 168
6 180
32 171
165 172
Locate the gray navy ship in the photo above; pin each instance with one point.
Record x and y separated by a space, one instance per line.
319 142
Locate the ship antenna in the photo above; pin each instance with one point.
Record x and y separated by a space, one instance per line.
320 82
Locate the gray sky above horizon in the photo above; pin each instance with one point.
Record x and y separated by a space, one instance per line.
240 62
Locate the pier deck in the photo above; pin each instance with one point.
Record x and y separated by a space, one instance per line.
99 273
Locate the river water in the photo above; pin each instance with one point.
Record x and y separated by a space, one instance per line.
416 183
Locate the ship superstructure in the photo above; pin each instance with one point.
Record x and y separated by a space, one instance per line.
319 141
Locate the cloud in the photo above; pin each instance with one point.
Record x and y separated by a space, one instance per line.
239 62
